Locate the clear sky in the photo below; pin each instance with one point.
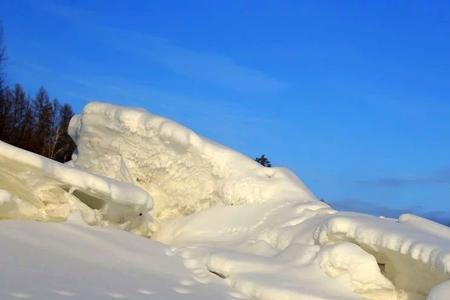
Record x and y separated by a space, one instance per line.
353 96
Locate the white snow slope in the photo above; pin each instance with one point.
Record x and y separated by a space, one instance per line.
57 261
258 230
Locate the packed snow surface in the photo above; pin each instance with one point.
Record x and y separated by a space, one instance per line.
258 230
62 261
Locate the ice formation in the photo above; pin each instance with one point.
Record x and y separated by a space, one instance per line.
183 172
260 229
34 187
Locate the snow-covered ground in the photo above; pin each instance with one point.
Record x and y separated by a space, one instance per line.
232 228
51 261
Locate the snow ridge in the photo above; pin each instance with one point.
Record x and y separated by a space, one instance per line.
183 172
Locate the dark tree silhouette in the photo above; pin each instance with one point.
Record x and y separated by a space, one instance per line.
4 102
35 124
43 121
2 59
264 161
6 107
20 105
63 145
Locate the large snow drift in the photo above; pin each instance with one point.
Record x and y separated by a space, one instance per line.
260 229
183 172
34 187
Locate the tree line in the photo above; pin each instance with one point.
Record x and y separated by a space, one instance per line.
33 122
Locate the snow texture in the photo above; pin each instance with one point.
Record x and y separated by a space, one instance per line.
34 187
69 261
183 172
257 229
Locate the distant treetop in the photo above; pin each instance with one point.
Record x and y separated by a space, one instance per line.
264 161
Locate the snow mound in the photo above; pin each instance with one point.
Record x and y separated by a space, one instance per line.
183 172
248 224
258 229
369 256
34 187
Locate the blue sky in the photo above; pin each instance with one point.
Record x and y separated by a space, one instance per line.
353 96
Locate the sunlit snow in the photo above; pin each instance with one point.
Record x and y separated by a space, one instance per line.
229 228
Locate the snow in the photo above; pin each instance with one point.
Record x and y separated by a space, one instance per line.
228 222
55 261
440 292
375 258
425 225
42 189
183 172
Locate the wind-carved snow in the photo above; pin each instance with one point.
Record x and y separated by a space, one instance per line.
258 229
34 187
183 172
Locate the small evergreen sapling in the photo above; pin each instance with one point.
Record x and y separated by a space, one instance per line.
264 161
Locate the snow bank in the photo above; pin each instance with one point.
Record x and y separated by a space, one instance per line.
412 260
43 189
183 172
373 257
249 224
258 229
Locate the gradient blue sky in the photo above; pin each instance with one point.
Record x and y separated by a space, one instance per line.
353 96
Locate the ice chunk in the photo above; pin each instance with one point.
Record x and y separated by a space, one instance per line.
43 189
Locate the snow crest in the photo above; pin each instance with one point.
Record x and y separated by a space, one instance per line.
183 172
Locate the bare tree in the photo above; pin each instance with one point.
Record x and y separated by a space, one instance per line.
35 124
43 110
2 60
5 106
19 109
